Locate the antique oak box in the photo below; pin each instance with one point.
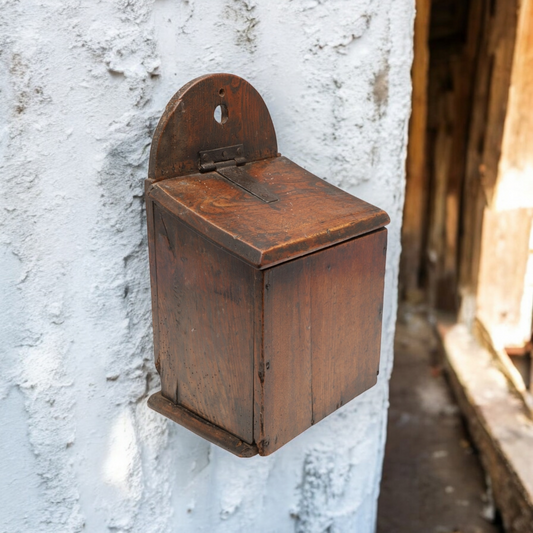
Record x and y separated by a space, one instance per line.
267 282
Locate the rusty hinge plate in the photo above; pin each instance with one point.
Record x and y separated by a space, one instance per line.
230 155
228 163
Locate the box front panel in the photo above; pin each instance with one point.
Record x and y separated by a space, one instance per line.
346 321
322 317
287 387
205 309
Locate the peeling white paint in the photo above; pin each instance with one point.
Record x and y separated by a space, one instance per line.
82 87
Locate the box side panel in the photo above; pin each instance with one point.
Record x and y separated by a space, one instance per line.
287 354
205 307
150 226
322 334
347 309
259 362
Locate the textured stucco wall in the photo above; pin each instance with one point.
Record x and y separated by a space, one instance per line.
82 86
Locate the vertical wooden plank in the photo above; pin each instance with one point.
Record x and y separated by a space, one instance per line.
206 310
165 266
416 172
437 217
531 370
503 305
498 198
490 99
447 297
498 54
454 47
347 308
502 277
150 223
516 164
287 354
322 331
259 362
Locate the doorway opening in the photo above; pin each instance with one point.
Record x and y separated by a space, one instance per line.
467 240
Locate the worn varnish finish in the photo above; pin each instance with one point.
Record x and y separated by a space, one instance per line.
187 126
200 426
311 213
267 282
206 309
322 334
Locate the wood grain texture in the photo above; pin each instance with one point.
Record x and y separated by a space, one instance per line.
322 331
205 308
288 399
267 282
259 362
347 310
200 426
476 76
430 237
490 98
188 126
516 154
311 214
150 226
416 164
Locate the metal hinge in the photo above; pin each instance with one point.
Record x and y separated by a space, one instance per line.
228 162
220 157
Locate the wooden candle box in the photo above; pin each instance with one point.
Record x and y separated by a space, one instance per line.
267 282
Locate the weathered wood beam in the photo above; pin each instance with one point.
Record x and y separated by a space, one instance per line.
416 186
497 424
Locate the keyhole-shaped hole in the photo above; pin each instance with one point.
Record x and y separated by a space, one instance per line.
221 113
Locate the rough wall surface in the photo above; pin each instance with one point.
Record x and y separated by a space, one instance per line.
82 86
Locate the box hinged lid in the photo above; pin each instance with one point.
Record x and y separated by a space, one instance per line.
222 176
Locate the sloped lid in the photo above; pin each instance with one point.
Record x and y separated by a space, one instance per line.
301 212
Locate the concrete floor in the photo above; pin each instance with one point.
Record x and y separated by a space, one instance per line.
432 478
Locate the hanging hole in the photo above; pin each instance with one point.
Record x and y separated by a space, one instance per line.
222 92
221 113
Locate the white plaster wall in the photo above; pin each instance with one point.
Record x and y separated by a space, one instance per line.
83 83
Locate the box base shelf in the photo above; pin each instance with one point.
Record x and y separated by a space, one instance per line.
200 426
